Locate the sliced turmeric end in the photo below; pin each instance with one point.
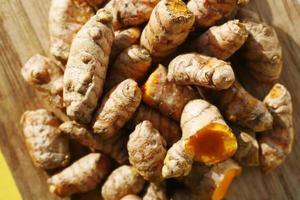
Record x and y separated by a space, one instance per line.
178 7
212 144
276 91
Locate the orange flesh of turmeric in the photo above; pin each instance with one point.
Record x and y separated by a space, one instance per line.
177 7
276 92
212 144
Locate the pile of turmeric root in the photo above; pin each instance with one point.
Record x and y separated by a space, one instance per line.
149 87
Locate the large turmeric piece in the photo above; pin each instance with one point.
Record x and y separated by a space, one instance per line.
156 192
168 128
133 62
200 70
165 96
115 147
48 149
122 181
147 150
86 68
276 144
168 27
66 17
46 77
221 41
117 108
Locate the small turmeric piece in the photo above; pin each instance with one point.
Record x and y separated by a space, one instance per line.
165 96
200 70
133 62
156 192
168 27
131 197
46 77
115 147
147 150
47 148
66 17
121 182
276 144
86 68
168 128
221 41
117 108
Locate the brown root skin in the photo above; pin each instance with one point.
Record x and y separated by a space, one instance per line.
203 127
156 192
117 108
131 197
86 68
165 96
90 195
240 107
200 70
66 17
168 128
121 182
147 150
47 147
221 41
276 144
163 34
82 176
115 147
133 62
46 77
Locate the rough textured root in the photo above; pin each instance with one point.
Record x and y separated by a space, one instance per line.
168 27
66 17
178 162
165 96
203 127
115 147
217 180
122 181
117 108
197 69
147 150
129 13
46 77
133 62
262 52
82 176
123 40
168 128
96 3
47 147
276 145
221 41
247 153
156 192
131 197
86 68
209 12
240 107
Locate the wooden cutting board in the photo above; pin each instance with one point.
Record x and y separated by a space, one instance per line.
24 32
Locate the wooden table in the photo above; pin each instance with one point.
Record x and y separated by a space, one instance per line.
24 32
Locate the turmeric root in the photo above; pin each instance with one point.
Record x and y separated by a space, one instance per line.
165 96
131 197
133 62
46 77
276 145
147 150
221 41
86 68
66 17
200 70
82 176
156 192
117 108
123 40
242 108
209 12
47 147
115 147
168 128
122 181
168 27
262 53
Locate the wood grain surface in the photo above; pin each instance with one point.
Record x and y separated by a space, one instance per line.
24 32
